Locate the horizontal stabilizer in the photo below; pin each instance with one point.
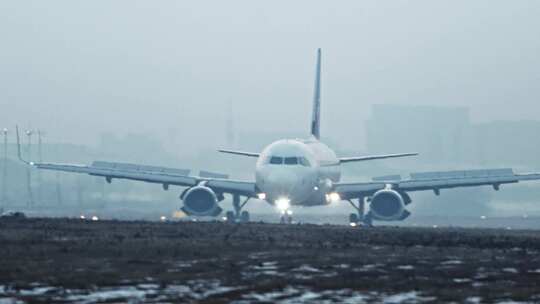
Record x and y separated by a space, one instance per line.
243 153
373 157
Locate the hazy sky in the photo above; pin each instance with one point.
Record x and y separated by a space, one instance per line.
80 68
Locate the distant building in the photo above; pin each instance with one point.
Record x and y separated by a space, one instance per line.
445 135
509 143
439 134
134 147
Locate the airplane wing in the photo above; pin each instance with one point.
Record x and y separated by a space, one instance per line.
242 153
150 174
154 174
435 181
373 157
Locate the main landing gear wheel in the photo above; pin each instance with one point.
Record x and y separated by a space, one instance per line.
238 216
244 217
286 218
231 218
368 219
353 219
360 218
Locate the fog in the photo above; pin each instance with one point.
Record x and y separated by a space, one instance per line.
78 69
179 72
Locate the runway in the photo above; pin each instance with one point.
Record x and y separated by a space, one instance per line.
71 260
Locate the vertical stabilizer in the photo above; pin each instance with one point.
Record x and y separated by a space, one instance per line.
316 116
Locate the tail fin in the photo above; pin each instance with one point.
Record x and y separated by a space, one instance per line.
316 115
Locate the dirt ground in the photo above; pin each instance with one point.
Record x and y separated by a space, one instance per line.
71 260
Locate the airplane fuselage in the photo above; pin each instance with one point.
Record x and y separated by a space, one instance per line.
297 172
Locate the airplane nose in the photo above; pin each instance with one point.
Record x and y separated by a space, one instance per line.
281 182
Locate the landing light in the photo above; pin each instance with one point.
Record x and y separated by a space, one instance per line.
353 224
333 197
95 218
261 196
163 218
82 217
283 203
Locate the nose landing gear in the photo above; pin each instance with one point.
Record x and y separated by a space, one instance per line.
238 216
286 217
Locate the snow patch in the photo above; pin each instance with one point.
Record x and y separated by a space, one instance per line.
295 295
368 267
452 262
402 297
307 268
110 294
148 286
405 267
510 270
266 266
473 300
38 291
10 301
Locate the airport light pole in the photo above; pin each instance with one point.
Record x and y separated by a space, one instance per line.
58 189
4 171
79 184
40 158
30 202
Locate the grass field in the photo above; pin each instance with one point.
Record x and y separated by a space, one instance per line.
69 260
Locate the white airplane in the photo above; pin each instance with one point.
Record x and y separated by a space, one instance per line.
303 172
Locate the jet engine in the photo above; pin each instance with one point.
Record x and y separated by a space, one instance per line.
201 201
389 205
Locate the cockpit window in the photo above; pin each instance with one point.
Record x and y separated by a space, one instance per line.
274 160
291 160
304 162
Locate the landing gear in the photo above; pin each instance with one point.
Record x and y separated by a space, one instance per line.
230 217
244 217
238 216
353 219
360 218
286 217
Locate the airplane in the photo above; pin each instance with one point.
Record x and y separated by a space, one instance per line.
296 172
